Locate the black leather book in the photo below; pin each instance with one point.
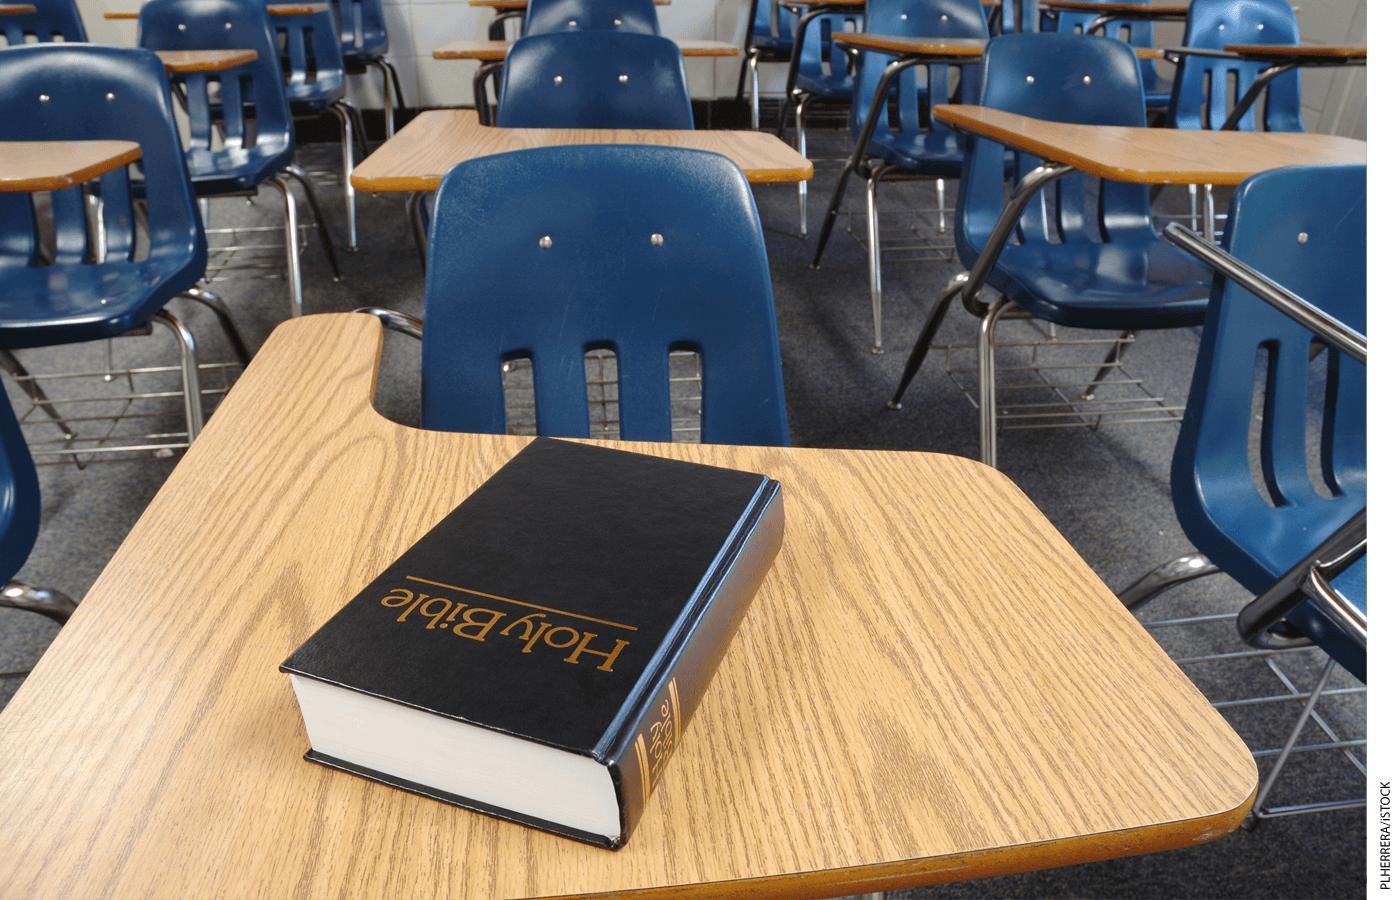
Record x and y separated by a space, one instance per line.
536 655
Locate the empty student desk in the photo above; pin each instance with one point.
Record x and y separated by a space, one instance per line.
436 140
930 685
54 165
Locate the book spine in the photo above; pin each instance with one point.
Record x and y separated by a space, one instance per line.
649 738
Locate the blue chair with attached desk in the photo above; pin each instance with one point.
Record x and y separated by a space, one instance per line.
1272 454
235 154
314 71
364 42
594 79
119 255
52 20
544 16
1156 90
649 253
1087 254
768 40
904 138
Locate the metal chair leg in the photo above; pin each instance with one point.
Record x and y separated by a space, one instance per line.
390 75
44 601
415 224
987 378
26 382
221 310
347 160
293 253
953 288
189 371
752 64
802 151
1184 568
872 237
300 175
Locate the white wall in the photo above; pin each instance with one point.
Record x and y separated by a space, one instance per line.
1334 100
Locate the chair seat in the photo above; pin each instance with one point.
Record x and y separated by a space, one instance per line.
238 168
937 154
365 52
66 305
1120 285
842 90
306 99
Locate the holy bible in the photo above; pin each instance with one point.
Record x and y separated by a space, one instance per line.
536 655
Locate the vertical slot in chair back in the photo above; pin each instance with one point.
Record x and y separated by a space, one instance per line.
1207 88
312 65
1311 477
547 16
363 35
53 21
553 252
594 80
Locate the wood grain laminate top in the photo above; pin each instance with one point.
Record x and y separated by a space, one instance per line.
54 165
204 60
496 50
16 9
275 9
422 151
930 685
1298 51
1155 155
921 46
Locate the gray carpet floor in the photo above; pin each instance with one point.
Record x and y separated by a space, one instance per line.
1106 489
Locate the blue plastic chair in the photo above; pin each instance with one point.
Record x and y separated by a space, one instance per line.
1201 94
52 20
594 79
826 73
1256 534
364 42
19 524
1156 90
1082 260
546 16
899 140
763 43
314 72
256 147
99 283
553 252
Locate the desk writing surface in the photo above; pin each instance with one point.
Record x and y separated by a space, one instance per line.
930 685
54 165
421 152
16 9
496 50
204 60
1297 51
1155 155
1166 8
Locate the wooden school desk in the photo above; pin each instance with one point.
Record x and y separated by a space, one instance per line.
1134 155
204 60
54 165
1280 57
930 685
421 152
514 9
273 9
16 9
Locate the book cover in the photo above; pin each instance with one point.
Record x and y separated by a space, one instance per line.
537 654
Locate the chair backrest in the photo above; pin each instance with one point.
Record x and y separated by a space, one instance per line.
56 92
763 33
1133 32
546 16
823 67
916 18
1207 88
594 79
19 495
255 145
641 250
52 20
1263 400
309 46
1073 78
363 34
